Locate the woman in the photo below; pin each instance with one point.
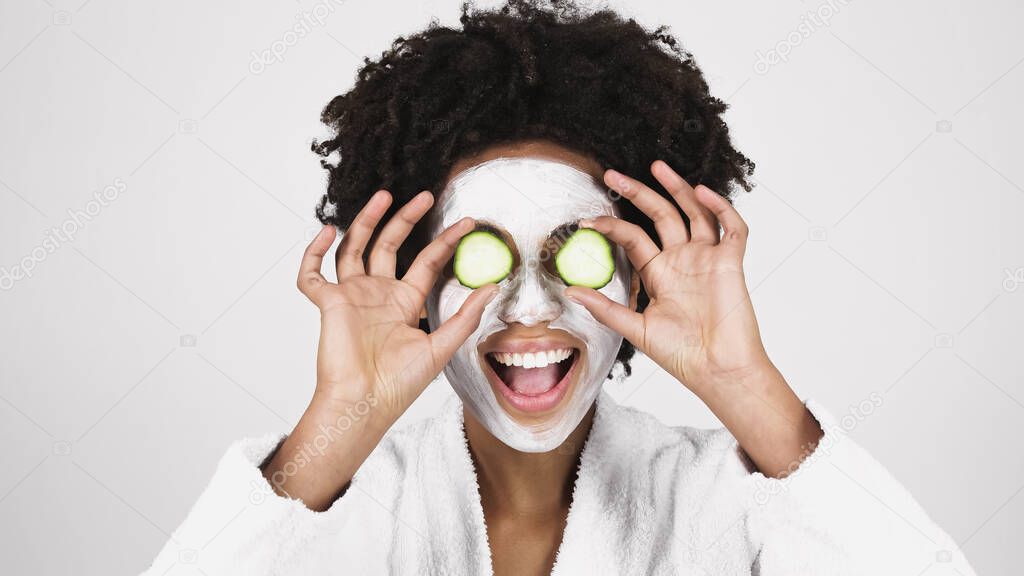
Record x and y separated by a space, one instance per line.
516 120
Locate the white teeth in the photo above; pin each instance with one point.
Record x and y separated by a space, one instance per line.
532 359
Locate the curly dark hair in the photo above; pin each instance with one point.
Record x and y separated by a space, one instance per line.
595 83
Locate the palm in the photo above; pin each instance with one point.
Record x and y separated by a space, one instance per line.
373 330
699 324
698 316
372 350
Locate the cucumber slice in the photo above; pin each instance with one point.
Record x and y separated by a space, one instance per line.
481 258
585 259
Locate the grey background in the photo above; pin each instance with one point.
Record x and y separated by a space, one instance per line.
886 254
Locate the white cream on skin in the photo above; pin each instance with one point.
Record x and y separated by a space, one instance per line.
529 198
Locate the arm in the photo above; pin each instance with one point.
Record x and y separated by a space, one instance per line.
841 512
373 361
700 327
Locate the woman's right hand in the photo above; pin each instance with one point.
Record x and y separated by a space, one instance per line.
373 359
371 347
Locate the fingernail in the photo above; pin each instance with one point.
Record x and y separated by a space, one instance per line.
619 180
587 223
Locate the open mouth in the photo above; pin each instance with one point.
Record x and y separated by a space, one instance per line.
534 381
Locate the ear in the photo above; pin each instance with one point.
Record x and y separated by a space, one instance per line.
634 289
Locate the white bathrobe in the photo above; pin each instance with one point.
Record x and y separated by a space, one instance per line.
649 499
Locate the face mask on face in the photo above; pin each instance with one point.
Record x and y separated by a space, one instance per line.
529 199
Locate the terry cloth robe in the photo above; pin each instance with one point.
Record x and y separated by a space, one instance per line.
649 499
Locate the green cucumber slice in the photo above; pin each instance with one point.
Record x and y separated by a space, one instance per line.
585 259
481 258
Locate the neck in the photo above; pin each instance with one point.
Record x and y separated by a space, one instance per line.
525 483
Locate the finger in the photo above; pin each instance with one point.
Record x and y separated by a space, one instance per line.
349 258
639 247
627 322
431 260
383 254
450 335
703 226
734 228
310 279
667 221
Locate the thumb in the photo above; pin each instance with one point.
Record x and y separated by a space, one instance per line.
627 322
450 335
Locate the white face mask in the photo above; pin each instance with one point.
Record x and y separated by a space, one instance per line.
529 198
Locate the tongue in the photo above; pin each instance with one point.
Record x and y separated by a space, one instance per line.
531 381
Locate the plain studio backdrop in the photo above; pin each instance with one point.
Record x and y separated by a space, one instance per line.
168 142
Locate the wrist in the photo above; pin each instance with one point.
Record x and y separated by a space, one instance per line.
337 418
322 454
362 410
765 415
759 376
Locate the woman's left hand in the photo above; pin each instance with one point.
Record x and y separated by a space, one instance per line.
699 325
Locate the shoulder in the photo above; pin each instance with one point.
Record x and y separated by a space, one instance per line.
681 469
405 449
629 430
680 487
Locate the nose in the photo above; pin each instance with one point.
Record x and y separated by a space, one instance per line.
530 299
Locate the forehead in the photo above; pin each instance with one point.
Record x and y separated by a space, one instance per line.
523 195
